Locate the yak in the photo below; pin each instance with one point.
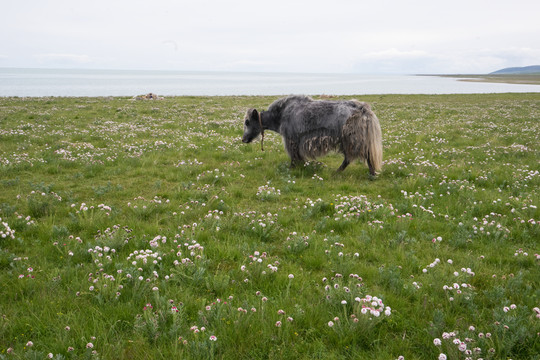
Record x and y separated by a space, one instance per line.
312 128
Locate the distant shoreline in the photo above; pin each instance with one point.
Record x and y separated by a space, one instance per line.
529 79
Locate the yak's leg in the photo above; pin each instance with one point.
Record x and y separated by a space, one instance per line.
371 168
344 164
294 153
296 160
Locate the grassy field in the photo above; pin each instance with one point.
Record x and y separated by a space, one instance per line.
147 229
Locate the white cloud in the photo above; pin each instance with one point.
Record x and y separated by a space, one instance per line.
486 60
282 35
394 54
173 44
248 65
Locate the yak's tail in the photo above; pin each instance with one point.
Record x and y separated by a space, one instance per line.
374 138
362 137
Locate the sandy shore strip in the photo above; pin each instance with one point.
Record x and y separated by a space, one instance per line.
533 79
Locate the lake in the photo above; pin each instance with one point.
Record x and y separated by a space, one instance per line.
63 82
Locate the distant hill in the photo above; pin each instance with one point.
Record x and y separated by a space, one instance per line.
535 69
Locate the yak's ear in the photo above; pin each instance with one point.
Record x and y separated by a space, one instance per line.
249 113
254 115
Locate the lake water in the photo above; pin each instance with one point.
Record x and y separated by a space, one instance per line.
55 82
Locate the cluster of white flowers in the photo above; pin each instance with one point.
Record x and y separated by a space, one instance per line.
156 240
195 252
468 347
28 219
84 208
267 191
104 207
264 221
486 227
6 231
508 308
260 258
348 207
373 305
432 265
144 256
312 203
189 162
99 253
215 174
521 252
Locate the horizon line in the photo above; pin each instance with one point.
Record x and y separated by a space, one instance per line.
230 71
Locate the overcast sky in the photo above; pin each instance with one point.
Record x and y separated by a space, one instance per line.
331 36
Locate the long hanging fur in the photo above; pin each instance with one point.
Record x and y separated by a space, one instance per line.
312 128
362 138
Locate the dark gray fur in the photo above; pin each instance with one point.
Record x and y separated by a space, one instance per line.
312 128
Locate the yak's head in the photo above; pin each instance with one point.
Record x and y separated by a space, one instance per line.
252 126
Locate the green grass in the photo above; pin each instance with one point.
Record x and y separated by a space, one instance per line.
141 229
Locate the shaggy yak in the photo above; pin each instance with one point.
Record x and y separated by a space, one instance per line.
312 128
